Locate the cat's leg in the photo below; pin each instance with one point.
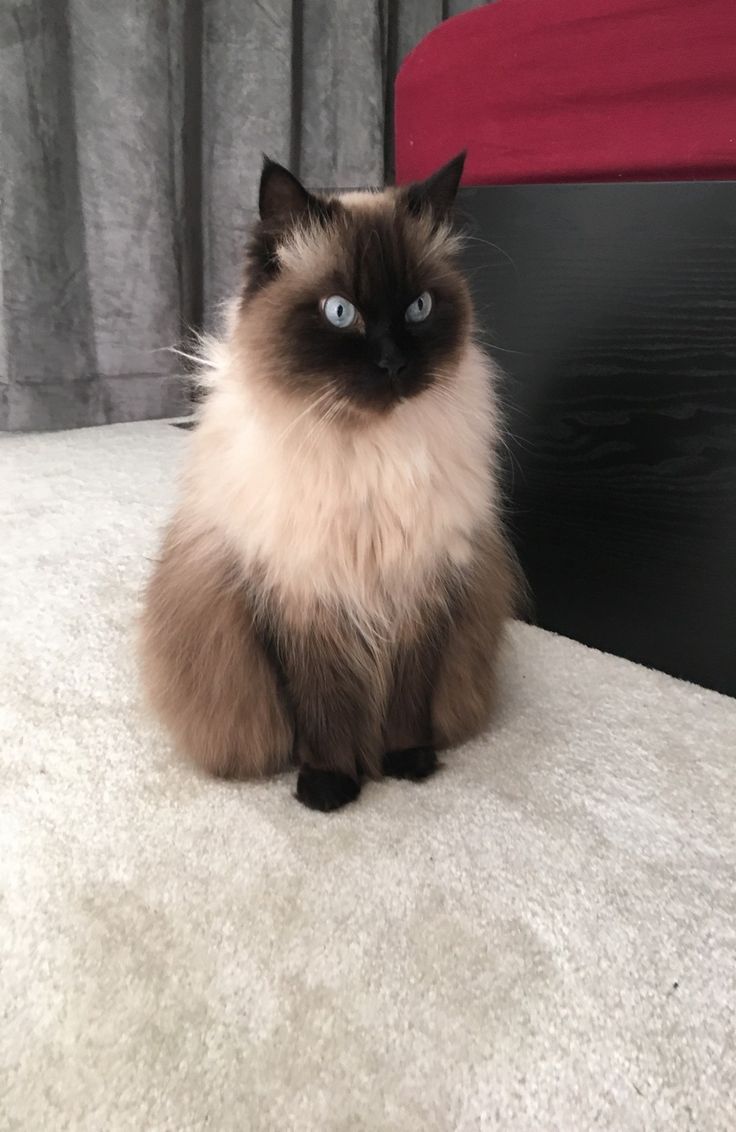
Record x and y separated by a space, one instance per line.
335 689
464 692
205 670
408 736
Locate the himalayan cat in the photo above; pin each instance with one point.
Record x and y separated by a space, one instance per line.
333 587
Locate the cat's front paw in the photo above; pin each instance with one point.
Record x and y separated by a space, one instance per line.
415 763
325 789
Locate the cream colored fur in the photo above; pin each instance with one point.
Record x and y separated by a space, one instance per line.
362 514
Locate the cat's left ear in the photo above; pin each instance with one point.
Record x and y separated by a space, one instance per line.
282 198
437 193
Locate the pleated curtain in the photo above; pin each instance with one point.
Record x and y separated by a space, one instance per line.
131 134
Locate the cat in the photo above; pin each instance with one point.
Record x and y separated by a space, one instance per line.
334 585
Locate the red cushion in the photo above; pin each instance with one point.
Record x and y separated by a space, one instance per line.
573 90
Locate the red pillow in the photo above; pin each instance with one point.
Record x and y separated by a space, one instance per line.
574 90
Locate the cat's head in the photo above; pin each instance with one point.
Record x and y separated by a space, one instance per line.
357 297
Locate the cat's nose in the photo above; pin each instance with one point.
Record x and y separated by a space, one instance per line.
391 359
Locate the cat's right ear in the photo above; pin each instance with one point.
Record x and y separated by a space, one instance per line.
282 199
437 193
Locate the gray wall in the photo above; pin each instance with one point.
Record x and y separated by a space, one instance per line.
131 133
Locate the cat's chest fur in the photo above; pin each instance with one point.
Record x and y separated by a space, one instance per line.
364 516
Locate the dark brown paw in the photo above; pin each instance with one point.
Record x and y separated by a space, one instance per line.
415 763
325 789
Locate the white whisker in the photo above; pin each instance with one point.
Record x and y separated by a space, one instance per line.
320 425
490 244
311 408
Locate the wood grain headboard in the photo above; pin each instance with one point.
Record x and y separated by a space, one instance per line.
611 310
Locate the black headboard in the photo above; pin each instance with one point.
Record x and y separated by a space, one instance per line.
611 310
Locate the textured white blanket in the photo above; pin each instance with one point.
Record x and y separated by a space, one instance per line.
541 937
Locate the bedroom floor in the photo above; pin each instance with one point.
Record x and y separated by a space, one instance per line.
542 936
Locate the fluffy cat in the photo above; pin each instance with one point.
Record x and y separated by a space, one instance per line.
333 587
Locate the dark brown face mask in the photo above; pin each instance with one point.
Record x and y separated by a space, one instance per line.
388 309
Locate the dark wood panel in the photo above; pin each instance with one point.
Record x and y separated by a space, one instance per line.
612 312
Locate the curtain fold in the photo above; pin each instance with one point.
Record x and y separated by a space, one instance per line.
131 137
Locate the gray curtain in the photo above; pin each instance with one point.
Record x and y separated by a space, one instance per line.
131 133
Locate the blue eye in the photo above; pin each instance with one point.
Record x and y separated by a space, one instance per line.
420 308
339 311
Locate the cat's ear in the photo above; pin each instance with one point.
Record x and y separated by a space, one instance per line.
282 198
437 193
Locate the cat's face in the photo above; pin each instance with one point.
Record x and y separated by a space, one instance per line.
356 299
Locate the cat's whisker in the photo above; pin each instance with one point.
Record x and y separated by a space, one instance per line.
312 407
320 425
444 392
198 359
311 437
484 337
330 416
489 243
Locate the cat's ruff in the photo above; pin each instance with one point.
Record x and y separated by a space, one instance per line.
364 516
